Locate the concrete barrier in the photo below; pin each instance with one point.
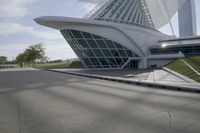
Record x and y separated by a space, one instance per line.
135 82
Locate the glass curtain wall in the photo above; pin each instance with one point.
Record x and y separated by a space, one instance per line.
96 51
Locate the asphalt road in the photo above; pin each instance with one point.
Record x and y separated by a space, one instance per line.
36 101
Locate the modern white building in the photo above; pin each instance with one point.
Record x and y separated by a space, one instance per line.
187 19
119 33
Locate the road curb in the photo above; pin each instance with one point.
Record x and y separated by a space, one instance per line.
135 82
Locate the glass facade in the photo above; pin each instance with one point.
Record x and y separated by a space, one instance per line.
96 51
187 50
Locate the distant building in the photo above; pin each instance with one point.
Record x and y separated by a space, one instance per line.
187 19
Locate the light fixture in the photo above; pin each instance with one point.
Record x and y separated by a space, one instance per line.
164 45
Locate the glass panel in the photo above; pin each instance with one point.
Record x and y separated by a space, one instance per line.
111 61
129 53
82 52
122 53
76 34
126 48
106 52
92 43
115 53
119 61
97 37
101 43
86 61
118 46
89 53
87 35
186 51
66 34
95 61
83 43
197 50
109 44
103 61
98 52
76 44
69 31
125 59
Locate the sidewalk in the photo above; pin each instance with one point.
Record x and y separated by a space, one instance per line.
166 77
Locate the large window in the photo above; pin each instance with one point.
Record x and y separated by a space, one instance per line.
187 50
96 51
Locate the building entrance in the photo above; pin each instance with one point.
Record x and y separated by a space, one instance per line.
133 64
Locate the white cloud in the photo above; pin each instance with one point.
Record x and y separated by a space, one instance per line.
14 8
15 28
88 7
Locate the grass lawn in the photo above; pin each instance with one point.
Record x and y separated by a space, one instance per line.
54 65
63 64
194 62
182 68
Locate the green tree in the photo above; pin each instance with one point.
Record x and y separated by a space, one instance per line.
3 59
31 55
76 64
35 53
20 59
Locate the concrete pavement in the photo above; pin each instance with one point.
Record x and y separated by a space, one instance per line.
36 101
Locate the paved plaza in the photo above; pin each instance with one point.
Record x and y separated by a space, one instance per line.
37 101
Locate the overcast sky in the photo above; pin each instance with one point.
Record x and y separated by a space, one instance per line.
18 30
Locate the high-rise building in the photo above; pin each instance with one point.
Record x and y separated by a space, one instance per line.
187 19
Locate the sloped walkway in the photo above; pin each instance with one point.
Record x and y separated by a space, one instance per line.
166 76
